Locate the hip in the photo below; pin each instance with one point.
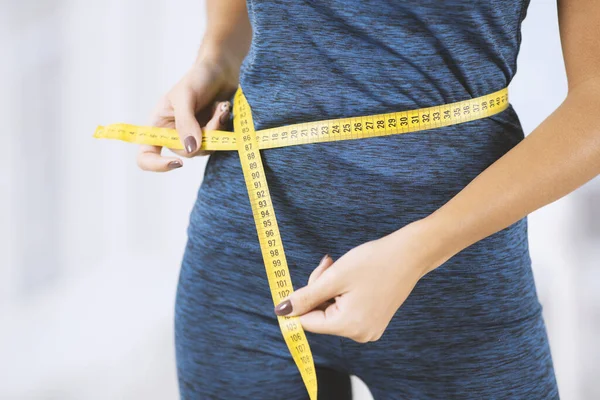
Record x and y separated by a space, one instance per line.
491 279
489 283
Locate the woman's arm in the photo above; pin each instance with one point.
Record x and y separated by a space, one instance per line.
191 104
228 32
556 158
371 281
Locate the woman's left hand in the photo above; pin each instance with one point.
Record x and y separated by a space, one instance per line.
368 284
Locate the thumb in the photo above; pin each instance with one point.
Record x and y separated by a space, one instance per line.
221 117
312 295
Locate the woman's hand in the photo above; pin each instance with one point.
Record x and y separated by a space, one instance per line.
368 284
191 104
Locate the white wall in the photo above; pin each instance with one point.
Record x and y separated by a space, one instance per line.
90 245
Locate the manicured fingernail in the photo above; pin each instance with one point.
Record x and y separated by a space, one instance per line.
325 257
175 164
284 308
190 144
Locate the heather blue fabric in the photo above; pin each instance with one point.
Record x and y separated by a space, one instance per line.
471 329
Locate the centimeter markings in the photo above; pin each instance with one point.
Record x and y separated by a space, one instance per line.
270 241
324 131
164 137
384 124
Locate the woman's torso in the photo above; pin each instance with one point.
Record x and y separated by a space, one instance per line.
313 60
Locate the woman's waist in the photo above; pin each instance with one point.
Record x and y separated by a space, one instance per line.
318 219
317 198
433 164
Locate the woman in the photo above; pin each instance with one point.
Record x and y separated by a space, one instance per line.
439 215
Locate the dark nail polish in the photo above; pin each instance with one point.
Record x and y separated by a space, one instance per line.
190 144
224 119
175 164
284 308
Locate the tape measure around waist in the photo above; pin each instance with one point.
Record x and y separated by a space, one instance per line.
323 131
247 141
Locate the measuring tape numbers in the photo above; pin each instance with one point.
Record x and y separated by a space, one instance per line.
248 142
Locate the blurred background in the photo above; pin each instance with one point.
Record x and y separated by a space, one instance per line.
90 246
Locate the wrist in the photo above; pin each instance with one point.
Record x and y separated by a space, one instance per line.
444 235
219 50
214 57
432 242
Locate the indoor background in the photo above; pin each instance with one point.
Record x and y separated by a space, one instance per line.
90 245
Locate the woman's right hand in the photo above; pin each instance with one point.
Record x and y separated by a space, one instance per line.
193 104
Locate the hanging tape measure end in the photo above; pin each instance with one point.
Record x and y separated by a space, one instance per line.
99 133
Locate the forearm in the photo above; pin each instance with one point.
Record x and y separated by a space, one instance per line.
560 155
228 33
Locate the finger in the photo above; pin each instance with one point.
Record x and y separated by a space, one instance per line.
220 120
187 125
328 321
324 305
311 296
325 263
220 117
149 159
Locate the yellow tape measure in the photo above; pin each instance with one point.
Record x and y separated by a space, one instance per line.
247 141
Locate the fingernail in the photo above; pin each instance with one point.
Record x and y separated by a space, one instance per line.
225 106
190 144
175 164
284 308
325 257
